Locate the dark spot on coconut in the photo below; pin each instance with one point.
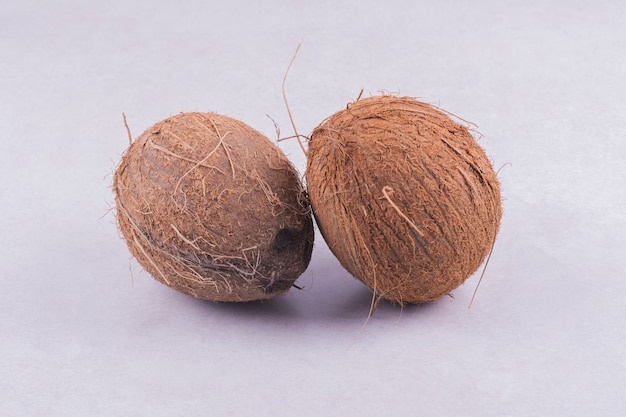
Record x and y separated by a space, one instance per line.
283 239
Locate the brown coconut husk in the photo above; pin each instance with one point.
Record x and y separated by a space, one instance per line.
404 196
213 209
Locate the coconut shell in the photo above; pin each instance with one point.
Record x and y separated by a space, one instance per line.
404 196
213 209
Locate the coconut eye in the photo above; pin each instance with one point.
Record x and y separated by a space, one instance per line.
283 239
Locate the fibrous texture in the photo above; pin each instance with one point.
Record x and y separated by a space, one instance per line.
404 196
213 209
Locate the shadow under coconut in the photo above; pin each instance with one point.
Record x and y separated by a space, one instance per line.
349 304
276 307
359 306
348 301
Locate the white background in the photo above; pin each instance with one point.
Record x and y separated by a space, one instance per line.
85 332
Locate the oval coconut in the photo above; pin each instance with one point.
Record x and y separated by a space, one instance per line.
213 209
404 196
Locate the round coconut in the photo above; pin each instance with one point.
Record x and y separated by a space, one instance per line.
404 196
213 209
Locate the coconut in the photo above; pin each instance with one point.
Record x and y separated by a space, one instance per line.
404 196
213 209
